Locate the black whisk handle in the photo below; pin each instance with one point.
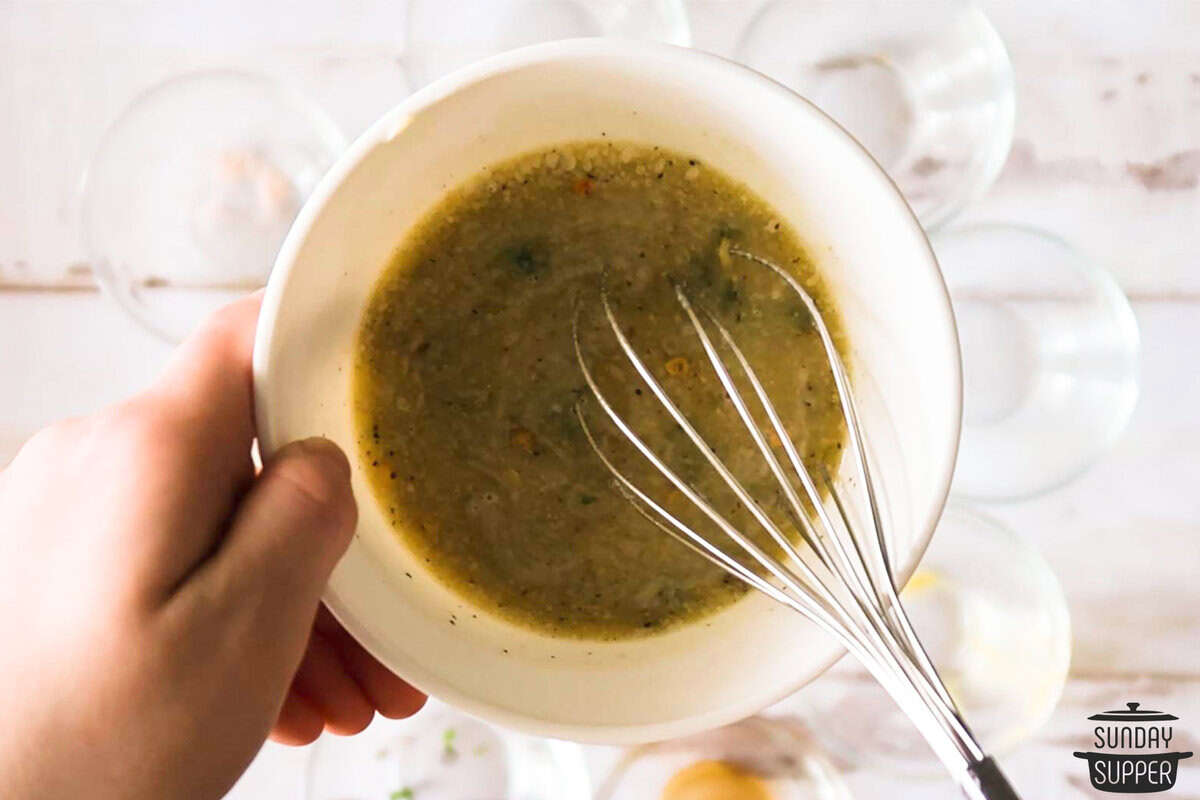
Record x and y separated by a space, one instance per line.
989 782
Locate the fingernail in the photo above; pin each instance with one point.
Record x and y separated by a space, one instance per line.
326 450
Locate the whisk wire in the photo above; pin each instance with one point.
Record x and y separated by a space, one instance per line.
889 598
778 570
844 566
726 474
797 599
677 529
845 584
836 620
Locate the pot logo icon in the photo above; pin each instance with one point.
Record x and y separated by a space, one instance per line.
1133 751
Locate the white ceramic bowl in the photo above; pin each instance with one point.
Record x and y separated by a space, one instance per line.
904 364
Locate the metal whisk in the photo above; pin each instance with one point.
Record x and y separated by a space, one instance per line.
842 578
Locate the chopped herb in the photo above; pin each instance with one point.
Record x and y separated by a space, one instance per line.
729 295
527 258
405 793
586 499
523 259
448 737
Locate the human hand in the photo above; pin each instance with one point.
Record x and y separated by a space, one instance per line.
162 601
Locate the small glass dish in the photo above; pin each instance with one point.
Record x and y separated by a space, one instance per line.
443 36
186 201
994 620
443 754
1050 359
925 85
759 758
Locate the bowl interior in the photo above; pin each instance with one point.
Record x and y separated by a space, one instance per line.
904 363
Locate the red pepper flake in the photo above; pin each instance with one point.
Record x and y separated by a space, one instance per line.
523 440
583 187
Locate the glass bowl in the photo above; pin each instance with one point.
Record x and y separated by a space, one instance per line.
1050 359
759 758
187 199
994 620
442 754
925 85
438 38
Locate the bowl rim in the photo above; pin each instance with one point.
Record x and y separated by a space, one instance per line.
381 131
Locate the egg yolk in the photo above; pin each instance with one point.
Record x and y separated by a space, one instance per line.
715 780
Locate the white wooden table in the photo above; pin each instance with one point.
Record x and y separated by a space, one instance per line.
1107 154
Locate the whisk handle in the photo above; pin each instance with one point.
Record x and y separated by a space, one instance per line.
987 782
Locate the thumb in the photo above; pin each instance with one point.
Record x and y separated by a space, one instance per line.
285 538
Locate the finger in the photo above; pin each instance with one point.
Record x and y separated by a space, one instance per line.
285 538
211 371
196 424
209 379
324 681
299 722
390 694
295 522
